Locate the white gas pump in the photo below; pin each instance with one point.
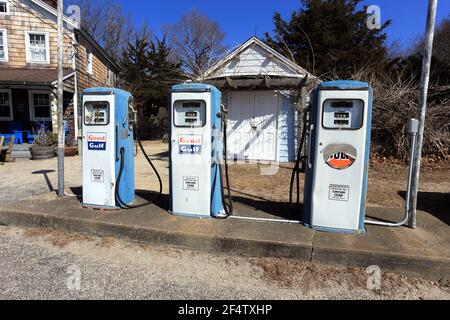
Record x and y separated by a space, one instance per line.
338 157
108 154
105 131
196 152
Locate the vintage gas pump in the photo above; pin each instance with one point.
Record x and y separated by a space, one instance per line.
197 142
338 157
109 120
106 130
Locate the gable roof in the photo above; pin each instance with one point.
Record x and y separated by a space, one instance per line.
280 65
74 24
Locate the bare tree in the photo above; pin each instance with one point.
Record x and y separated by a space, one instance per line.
442 41
197 41
441 47
106 21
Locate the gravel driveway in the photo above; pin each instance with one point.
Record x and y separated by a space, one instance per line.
44 264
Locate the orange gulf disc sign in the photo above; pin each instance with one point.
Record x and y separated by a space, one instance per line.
340 157
341 161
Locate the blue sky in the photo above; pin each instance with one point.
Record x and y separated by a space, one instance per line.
240 19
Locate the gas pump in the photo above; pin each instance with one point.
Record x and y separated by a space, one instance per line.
197 147
109 121
338 157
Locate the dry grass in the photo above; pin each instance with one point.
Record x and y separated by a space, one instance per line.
58 238
312 277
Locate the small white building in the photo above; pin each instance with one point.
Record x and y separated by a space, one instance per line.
260 88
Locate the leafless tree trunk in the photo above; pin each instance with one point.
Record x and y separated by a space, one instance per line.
197 41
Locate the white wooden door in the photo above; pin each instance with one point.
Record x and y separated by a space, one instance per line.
252 132
265 120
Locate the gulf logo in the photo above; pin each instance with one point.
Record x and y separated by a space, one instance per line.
96 141
341 161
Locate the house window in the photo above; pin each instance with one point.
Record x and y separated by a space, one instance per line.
89 67
4 7
3 46
37 46
6 113
40 106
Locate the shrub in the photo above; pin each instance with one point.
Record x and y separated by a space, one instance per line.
395 102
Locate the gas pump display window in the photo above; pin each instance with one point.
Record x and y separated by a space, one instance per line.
96 113
190 114
341 114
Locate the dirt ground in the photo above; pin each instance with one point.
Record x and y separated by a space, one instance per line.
387 180
387 183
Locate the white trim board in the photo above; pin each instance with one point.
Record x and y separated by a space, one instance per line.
5 45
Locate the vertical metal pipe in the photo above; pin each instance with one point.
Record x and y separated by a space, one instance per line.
61 138
425 80
413 131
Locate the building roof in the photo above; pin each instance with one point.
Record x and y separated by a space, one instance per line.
256 58
26 76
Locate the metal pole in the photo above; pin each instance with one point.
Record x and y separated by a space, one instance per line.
61 138
425 80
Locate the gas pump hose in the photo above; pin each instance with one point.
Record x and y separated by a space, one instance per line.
227 206
295 171
119 178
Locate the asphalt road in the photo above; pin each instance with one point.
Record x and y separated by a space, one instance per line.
43 264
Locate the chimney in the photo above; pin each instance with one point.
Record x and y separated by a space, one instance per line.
52 3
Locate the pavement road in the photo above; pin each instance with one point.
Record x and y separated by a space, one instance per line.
50 264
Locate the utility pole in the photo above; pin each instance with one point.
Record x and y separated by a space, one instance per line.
61 137
424 85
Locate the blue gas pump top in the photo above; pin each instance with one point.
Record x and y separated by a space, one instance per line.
344 85
106 90
193 87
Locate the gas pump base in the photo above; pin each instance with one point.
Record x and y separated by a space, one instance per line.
335 230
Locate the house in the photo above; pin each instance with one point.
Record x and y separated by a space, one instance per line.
261 91
28 66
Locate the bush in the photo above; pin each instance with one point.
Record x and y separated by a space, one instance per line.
395 103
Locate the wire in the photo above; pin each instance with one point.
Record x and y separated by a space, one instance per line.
227 206
296 170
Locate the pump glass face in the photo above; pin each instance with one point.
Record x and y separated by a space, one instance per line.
339 114
96 113
189 114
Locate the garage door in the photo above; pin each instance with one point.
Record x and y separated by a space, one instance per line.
253 121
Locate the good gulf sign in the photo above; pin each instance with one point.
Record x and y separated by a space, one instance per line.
96 141
190 144
340 157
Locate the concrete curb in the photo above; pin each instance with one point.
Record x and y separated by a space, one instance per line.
423 267
154 236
